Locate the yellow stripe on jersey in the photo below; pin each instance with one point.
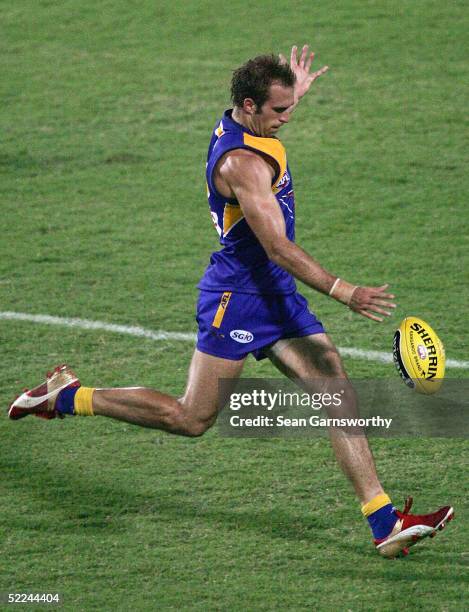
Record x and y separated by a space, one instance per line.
225 298
271 147
231 215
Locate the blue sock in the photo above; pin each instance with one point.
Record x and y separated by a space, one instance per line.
382 521
66 400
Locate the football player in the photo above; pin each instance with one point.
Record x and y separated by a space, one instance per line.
249 303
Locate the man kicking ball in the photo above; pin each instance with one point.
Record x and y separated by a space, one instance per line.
249 286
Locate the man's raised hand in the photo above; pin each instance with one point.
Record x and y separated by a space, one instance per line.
301 68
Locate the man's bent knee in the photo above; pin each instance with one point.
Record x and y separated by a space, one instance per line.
194 421
330 363
196 415
325 357
195 428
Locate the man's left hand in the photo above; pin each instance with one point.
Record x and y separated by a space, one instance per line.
301 69
374 299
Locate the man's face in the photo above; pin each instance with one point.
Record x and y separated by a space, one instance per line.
274 112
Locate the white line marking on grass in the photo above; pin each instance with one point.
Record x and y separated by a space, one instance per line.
141 332
129 330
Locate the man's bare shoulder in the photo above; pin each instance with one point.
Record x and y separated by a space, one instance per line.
238 162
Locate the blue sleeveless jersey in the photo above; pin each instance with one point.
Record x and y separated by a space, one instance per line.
242 264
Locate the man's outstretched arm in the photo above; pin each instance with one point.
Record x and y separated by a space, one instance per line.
250 179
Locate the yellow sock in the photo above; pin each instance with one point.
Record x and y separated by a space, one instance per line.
375 504
83 404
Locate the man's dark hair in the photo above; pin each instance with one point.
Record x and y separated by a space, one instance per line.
254 78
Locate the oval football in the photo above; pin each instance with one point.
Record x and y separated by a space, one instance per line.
419 355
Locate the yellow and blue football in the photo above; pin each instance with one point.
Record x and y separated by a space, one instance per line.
419 355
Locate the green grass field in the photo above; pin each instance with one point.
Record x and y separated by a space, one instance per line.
105 119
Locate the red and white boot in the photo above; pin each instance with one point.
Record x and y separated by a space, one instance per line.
411 528
40 401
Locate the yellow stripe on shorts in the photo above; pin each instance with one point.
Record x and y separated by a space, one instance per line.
225 298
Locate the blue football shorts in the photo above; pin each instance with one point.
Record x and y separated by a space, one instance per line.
232 325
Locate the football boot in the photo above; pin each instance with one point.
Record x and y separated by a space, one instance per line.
411 528
40 401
